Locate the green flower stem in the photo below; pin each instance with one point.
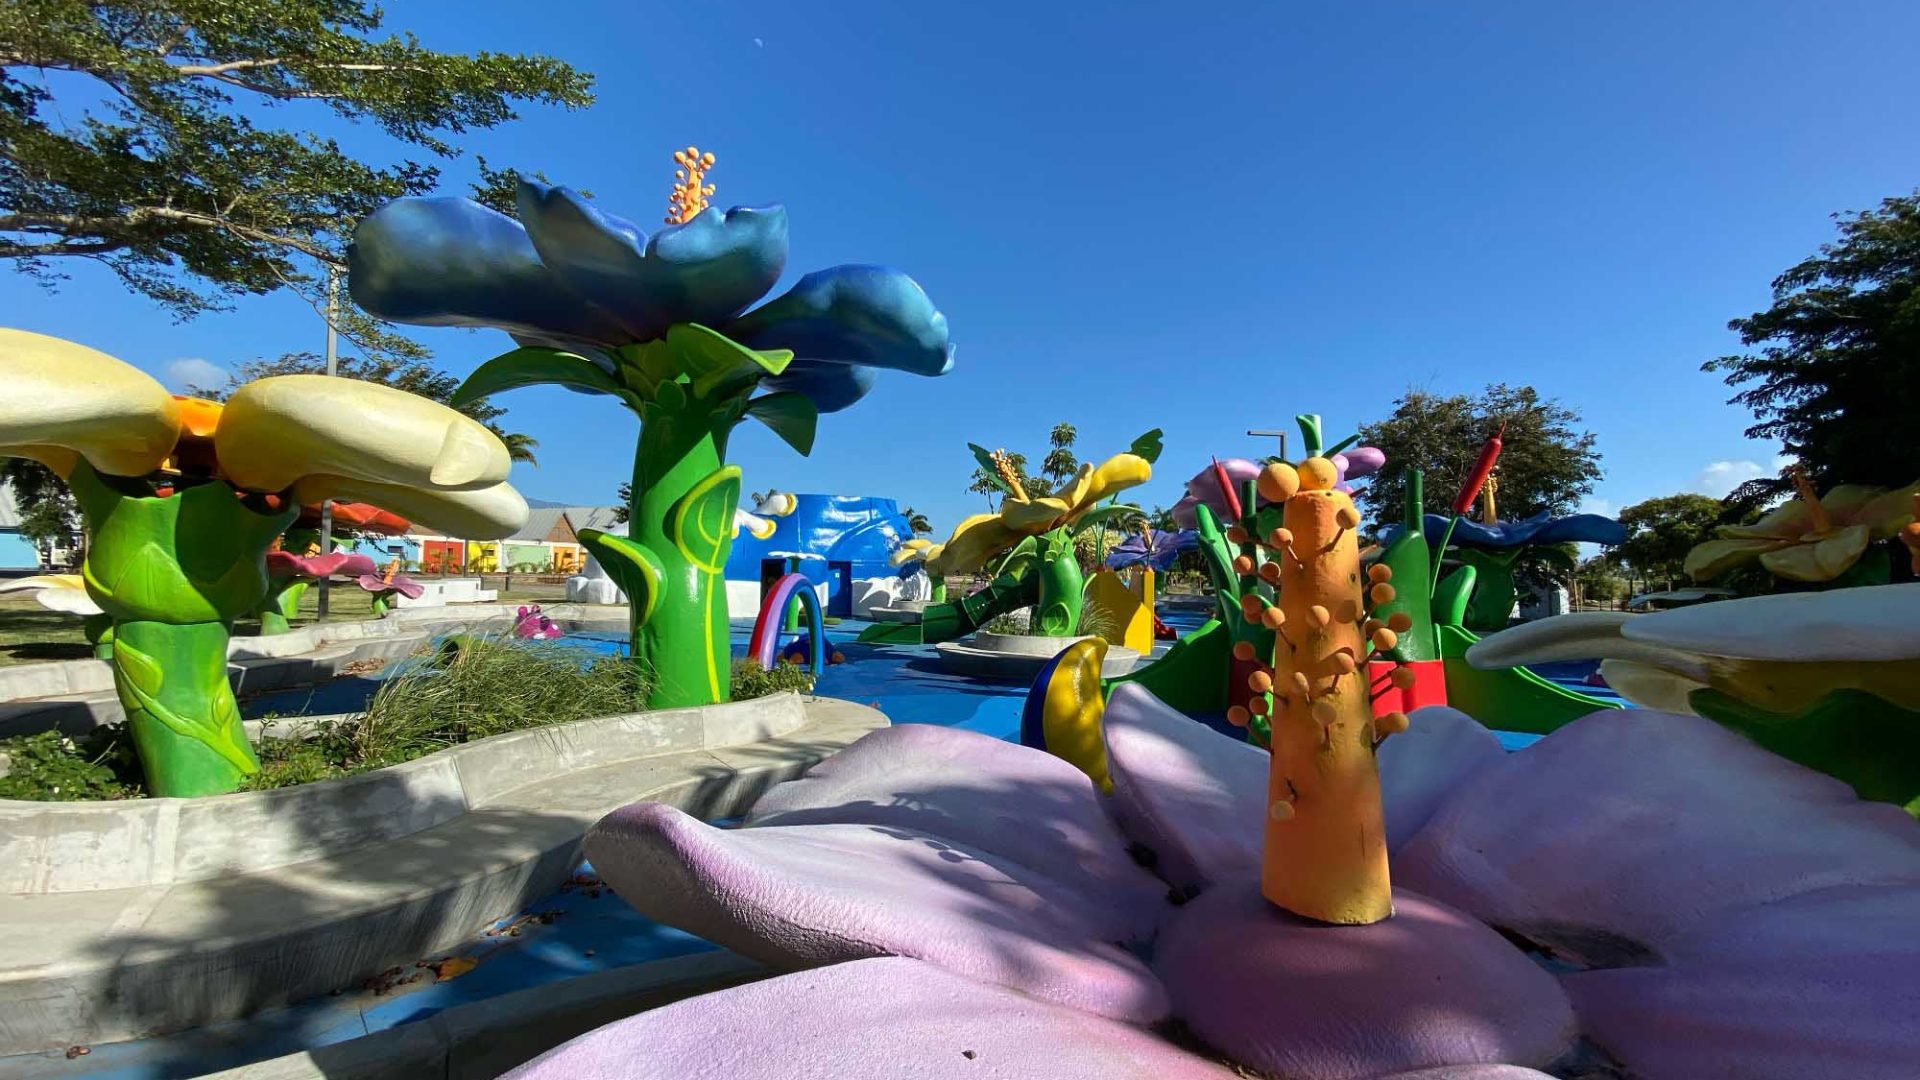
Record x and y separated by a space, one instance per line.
682 514
1062 587
939 594
172 682
173 573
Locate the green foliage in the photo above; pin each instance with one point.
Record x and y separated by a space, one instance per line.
1546 462
1013 623
917 522
53 767
1662 530
482 687
48 514
1832 369
986 479
1059 464
1599 582
749 680
155 163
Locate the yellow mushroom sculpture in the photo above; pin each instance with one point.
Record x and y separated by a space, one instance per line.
182 498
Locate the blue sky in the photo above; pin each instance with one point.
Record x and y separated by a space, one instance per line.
1202 217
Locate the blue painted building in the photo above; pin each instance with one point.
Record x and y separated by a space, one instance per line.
16 551
840 539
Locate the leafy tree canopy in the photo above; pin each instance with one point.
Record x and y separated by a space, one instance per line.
1834 371
1661 531
136 134
1546 462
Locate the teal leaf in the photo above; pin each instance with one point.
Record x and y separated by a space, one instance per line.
711 360
985 457
791 415
1112 512
534 366
671 396
1148 446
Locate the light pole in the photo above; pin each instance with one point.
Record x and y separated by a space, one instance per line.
333 368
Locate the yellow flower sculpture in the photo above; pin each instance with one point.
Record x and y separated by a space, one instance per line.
1049 520
1811 538
182 498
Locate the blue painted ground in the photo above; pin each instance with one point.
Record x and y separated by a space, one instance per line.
581 929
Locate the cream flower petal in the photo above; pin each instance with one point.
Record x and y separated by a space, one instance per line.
277 430
66 401
487 514
1886 512
1714 557
1822 560
56 592
1032 517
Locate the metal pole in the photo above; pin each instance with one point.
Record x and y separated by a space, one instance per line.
333 368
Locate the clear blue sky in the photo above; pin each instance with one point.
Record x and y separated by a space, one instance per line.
1203 217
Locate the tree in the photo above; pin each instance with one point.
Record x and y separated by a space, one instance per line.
917 522
623 502
1835 370
1546 463
1599 582
48 513
1661 531
1059 464
154 162
413 375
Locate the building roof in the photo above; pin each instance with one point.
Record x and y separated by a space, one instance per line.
596 517
540 523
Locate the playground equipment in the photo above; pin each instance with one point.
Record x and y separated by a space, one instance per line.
659 323
182 498
764 646
1832 540
1029 541
532 624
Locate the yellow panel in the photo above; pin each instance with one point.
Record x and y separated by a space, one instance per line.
1110 603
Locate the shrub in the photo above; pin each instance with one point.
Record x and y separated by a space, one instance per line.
51 766
750 681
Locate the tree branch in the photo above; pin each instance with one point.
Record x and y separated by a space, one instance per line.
70 224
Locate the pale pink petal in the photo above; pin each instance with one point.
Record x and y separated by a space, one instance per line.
1195 798
1441 750
1300 999
802 895
1017 803
1624 831
868 1020
1821 986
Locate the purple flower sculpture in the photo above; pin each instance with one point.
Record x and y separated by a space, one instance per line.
1638 894
1354 463
1158 551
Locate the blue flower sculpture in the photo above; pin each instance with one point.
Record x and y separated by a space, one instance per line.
572 278
662 323
1158 553
1538 529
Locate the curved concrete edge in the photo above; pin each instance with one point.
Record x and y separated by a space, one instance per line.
1022 662
483 1039
111 965
53 847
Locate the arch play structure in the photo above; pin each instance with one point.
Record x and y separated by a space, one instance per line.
764 646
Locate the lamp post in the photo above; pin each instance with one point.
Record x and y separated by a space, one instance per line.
333 368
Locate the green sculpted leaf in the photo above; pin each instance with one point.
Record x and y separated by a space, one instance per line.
1148 446
791 415
532 367
988 468
671 396
141 671
1860 738
702 521
632 566
1107 515
712 360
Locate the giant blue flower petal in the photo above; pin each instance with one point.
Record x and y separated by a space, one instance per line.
831 387
1538 529
706 271
868 315
453 262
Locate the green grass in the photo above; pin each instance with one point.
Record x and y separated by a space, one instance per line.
30 633
483 686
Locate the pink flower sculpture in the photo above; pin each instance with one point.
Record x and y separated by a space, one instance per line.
285 564
1639 894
